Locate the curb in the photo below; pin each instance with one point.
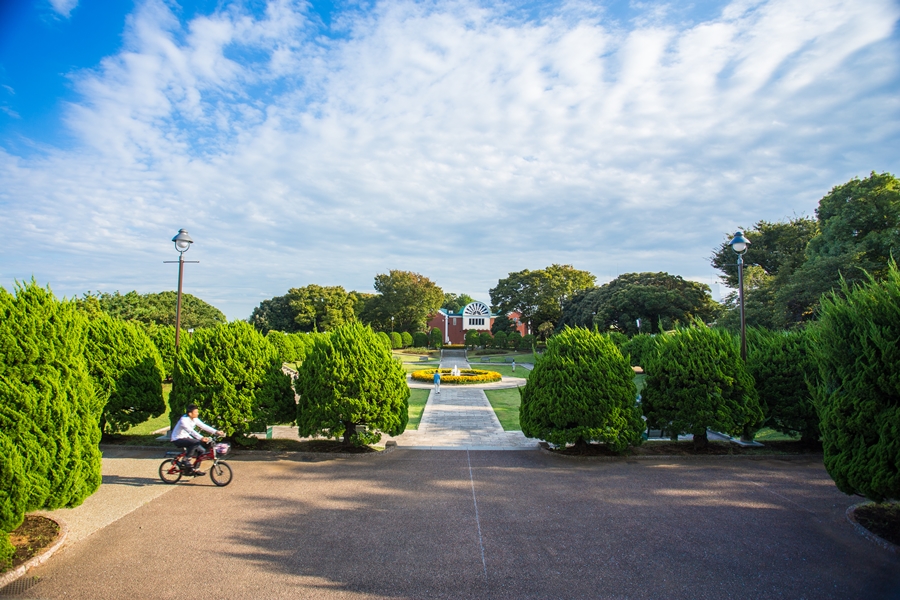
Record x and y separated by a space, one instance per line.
231 455
851 516
785 457
41 558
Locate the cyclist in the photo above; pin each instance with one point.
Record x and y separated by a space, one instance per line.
184 435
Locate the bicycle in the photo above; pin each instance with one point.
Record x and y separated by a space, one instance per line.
170 470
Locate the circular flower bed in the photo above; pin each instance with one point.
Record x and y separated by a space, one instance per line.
465 376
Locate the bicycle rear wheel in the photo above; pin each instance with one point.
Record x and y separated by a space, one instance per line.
220 473
169 471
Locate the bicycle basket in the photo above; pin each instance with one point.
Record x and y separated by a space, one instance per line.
222 448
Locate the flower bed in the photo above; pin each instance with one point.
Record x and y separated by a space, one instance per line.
466 376
454 346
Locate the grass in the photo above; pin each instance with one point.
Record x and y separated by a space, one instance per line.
506 405
639 382
417 400
156 423
504 370
770 435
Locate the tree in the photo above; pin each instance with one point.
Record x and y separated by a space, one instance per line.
396 341
436 338
581 390
502 322
420 339
640 349
384 339
514 340
49 412
456 302
780 363
544 331
657 299
472 338
292 347
127 373
500 339
406 339
350 380
697 381
275 314
408 297
538 296
234 375
858 385
158 308
319 308
528 341
485 340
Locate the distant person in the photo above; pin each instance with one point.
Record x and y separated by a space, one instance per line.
437 381
514 365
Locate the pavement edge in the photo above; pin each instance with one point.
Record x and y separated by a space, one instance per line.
21 570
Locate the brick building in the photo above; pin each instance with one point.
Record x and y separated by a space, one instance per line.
475 315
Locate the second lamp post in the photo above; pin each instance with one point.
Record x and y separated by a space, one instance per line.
740 244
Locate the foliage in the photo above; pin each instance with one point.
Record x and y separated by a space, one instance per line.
582 390
857 391
436 338
503 323
349 380
697 380
657 299
544 331
456 302
780 362
641 349
292 347
408 297
465 376
156 308
406 339
538 296
384 339
396 340
514 340
163 337
528 341
234 375
500 339
420 339
484 339
471 338
616 338
322 308
275 314
49 412
127 373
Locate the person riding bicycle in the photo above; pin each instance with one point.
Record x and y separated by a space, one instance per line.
184 435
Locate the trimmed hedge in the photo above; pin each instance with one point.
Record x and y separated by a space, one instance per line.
472 376
780 363
857 391
127 372
396 341
420 340
49 412
163 337
406 339
234 375
581 390
697 380
350 380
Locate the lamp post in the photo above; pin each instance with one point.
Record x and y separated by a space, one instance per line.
740 244
182 243
392 323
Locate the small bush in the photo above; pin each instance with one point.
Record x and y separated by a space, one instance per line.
857 390
396 341
616 337
581 390
485 340
163 337
436 338
420 340
514 340
384 339
350 380
697 380
406 339
500 339
471 338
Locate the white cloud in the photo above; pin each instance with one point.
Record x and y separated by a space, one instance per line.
450 139
64 7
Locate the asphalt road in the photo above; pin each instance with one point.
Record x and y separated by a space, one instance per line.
457 524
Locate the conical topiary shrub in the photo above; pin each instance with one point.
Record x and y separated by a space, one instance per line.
350 380
697 380
127 372
234 375
857 392
581 390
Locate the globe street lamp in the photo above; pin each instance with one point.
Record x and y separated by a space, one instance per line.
740 244
182 243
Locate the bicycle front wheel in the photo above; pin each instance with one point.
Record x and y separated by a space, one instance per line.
169 471
220 473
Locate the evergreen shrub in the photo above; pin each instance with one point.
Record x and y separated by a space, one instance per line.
127 372
780 363
233 374
697 380
49 412
857 391
471 339
420 340
436 338
163 337
640 349
500 339
406 339
528 341
581 390
384 339
485 340
396 341
514 340
349 380
617 337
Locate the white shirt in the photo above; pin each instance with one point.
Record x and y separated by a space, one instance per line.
185 426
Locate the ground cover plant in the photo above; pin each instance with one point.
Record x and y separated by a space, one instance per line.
582 390
697 380
351 387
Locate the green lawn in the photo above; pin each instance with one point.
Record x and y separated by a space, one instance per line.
148 427
770 435
639 382
504 370
417 400
506 405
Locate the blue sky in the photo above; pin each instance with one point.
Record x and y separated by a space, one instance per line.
328 142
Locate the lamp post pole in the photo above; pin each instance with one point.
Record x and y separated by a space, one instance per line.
740 244
182 243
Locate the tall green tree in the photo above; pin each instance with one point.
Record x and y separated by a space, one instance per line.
348 381
657 299
456 302
49 411
582 390
502 322
321 308
857 391
275 314
435 338
410 298
127 372
158 308
163 337
539 295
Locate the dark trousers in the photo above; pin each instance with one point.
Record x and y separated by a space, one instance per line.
191 447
